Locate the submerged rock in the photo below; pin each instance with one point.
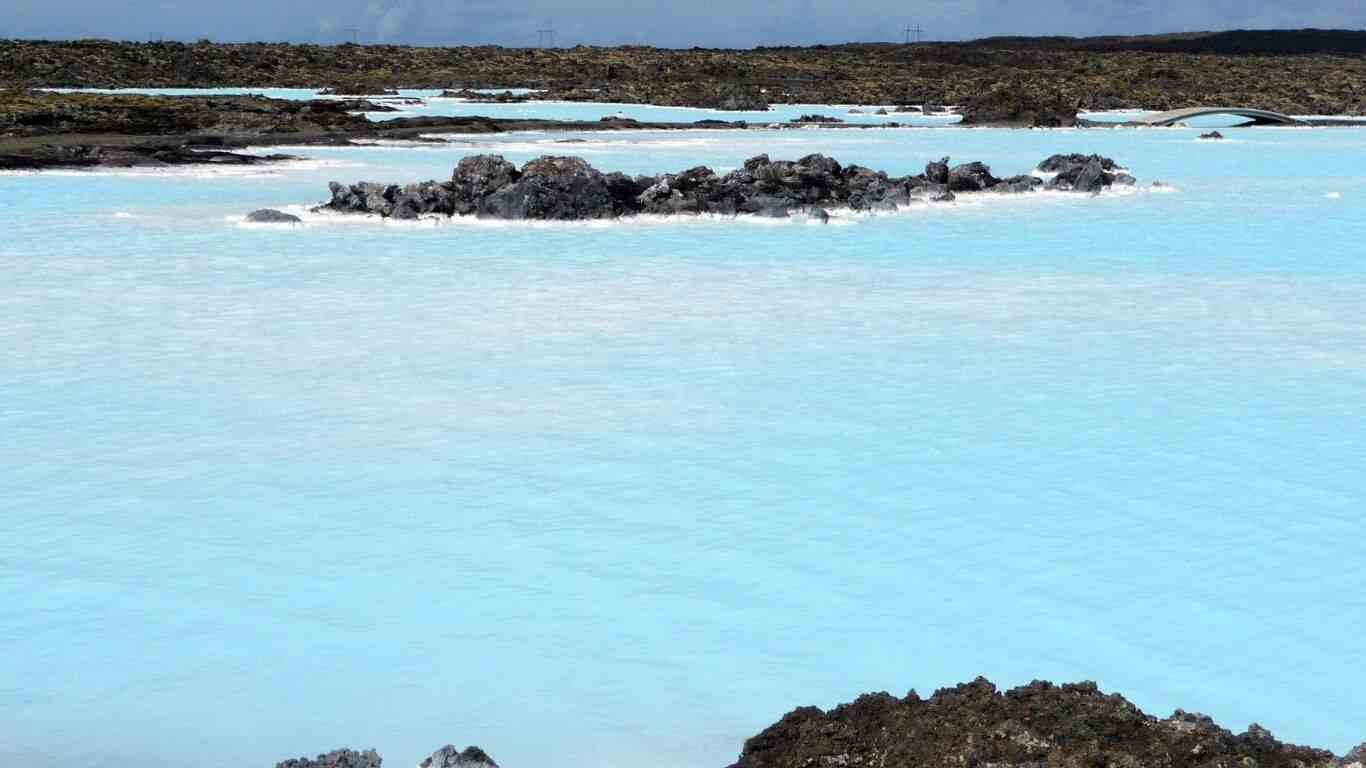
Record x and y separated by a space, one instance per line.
337 758
1040 724
272 216
569 189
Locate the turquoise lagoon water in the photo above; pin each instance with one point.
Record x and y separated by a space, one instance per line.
623 494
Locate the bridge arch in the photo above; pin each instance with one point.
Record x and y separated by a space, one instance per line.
1257 116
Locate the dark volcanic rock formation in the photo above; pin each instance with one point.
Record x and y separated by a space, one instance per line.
449 757
568 188
1083 173
1038 725
337 758
552 188
974 725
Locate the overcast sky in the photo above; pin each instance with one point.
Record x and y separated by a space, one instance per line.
679 23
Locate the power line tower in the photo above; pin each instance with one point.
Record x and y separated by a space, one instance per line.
352 34
545 38
909 29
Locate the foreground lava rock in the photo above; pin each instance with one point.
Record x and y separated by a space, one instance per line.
1040 724
974 725
568 188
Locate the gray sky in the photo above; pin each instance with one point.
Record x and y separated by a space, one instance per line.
676 23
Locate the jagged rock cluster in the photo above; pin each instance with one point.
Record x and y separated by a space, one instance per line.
446 757
568 188
337 758
1037 725
449 757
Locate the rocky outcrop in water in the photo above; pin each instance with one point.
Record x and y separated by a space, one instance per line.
1083 173
568 188
449 757
1037 725
480 97
337 758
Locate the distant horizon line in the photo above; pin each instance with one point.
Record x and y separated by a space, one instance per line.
756 46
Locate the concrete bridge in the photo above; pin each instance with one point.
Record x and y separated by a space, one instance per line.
1257 116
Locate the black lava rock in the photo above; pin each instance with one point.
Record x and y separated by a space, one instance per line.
338 758
569 189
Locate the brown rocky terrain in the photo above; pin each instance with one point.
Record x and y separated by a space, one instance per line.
974 724
1306 71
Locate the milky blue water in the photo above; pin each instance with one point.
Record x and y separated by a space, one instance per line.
623 494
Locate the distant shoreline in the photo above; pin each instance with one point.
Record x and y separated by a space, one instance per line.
1152 72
